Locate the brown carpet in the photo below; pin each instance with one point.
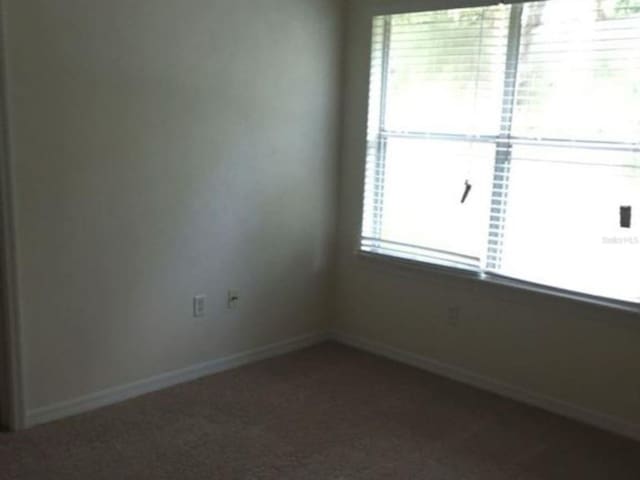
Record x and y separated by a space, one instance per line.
328 412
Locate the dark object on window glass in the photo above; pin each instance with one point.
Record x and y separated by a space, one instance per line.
625 217
467 190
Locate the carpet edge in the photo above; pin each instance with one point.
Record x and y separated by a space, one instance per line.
559 407
155 383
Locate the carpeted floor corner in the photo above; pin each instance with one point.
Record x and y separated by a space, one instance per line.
328 412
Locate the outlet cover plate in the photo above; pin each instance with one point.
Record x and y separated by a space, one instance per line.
199 304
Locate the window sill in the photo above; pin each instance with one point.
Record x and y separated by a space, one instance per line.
493 279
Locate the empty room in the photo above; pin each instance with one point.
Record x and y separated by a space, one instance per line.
320 239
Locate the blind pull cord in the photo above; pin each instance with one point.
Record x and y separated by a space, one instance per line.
467 190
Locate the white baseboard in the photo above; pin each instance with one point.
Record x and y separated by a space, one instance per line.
558 407
125 392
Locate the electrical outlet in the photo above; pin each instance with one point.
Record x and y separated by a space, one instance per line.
233 297
199 305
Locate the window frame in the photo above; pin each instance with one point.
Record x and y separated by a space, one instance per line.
503 155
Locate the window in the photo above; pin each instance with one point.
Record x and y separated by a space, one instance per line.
505 140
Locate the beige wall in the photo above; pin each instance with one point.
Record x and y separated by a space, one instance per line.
586 356
166 148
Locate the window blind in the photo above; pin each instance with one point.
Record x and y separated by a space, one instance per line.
436 88
505 140
572 157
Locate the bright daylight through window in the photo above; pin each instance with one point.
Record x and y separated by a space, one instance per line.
505 140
